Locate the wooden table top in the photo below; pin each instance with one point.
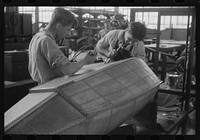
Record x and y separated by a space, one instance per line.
163 45
175 42
167 47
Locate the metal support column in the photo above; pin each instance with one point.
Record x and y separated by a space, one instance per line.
189 68
36 19
157 45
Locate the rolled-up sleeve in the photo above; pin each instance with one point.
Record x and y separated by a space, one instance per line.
102 44
107 42
52 53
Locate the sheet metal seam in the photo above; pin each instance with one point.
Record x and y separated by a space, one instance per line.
70 101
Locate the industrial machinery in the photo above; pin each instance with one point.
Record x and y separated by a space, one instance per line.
95 100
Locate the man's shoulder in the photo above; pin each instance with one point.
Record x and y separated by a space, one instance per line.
44 36
114 33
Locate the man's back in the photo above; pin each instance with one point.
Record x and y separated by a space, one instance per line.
103 32
44 58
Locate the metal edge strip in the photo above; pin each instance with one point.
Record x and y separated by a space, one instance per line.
74 104
8 126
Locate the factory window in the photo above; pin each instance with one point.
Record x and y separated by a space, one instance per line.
102 8
125 11
180 21
165 22
150 19
44 12
122 10
27 10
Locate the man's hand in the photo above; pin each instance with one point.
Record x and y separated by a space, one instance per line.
112 54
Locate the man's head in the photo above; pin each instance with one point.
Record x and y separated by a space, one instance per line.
63 21
136 31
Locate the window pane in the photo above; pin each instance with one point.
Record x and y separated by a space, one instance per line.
27 10
45 13
149 18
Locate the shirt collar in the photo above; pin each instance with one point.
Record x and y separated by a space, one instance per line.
47 33
121 36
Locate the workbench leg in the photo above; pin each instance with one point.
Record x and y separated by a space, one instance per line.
184 126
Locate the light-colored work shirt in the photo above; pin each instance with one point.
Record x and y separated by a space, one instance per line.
103 32
138 50
45 57
110 40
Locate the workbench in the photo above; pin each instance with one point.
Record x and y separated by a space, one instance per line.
168 48
175 42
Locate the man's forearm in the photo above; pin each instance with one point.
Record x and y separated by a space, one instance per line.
71 68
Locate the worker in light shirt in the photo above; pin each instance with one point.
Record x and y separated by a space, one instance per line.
130 39
46 60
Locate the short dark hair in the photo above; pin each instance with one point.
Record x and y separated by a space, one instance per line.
64 17
138 30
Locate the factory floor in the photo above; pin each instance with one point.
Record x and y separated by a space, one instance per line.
136 130
191 128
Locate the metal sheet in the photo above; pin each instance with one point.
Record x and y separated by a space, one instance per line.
95 100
